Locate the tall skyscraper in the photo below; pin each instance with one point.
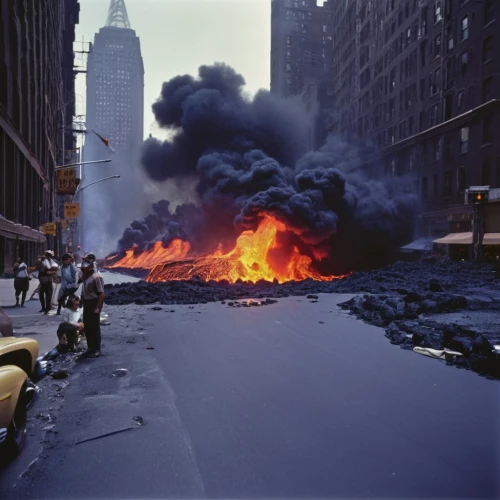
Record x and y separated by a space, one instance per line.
115 110
301 57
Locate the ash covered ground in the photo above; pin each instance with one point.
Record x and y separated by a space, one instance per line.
435 304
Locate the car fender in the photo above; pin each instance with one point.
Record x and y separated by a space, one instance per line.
12 379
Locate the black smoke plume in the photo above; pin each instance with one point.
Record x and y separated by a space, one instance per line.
246 155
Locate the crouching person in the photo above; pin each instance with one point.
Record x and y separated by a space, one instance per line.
68 336
71 330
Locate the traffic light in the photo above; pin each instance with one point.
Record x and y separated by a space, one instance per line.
477 196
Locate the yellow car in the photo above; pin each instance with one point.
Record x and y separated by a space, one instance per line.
19 366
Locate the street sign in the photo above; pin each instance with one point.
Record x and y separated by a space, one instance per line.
49 229
71 210
66 181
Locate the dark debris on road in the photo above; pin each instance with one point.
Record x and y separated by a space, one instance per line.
401 297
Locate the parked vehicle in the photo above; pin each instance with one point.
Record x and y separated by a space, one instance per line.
20 367
6 329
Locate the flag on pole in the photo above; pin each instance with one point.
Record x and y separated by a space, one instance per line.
104 140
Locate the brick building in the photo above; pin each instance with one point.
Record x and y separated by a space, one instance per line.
36 96
419 80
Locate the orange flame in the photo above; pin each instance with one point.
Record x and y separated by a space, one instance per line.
256 256
148 259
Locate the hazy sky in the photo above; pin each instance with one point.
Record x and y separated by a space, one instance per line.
177 36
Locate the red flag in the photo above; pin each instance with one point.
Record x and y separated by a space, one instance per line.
103 139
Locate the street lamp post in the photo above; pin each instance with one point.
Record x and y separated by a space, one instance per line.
78 191
81 163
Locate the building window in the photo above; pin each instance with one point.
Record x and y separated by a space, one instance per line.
435 185
461 180
464 140
488 89
487 131
451 41
488 49
447 184
461 99
485 173
489 13
437 149
325 28
424 188
464 61
437 11
436 49
465 27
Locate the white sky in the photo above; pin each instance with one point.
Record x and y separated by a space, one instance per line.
177 36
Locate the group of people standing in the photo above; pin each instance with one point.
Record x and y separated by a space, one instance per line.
70 278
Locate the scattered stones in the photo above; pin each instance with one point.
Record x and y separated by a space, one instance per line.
156 308
313 297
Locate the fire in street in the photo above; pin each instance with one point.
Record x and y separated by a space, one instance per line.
258 255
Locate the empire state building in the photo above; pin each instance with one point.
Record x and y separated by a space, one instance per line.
115 110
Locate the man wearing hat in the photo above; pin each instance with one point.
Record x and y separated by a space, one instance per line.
47 267
93 300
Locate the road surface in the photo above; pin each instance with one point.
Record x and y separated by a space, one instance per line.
294 400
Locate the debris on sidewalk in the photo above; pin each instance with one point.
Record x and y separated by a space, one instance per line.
437 353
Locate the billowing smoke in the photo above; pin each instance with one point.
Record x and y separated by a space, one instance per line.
247 158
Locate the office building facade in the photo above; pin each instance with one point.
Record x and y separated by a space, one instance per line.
301 55
115 109
36 96
418 81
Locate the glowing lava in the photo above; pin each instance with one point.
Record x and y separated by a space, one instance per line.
257 255
155 256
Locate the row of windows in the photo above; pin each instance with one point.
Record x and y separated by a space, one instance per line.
490 176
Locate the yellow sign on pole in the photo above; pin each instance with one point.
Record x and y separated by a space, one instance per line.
50 229
66 181
71 210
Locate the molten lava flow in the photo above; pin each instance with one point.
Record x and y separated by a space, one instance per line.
257 256
158 254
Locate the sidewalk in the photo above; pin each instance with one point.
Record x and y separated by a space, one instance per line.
8 298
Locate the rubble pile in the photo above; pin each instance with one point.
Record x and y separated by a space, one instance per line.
408 299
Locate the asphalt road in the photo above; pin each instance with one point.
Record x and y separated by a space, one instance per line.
292 400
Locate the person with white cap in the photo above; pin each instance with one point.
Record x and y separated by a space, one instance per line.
93 300
47 267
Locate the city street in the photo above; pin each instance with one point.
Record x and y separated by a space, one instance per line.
294 399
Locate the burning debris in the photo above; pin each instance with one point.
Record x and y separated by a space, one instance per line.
264 211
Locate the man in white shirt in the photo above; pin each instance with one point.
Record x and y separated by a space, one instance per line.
47 267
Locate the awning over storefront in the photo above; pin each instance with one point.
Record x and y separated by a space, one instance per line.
455 239
466 239
12 230
419 245
491 239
